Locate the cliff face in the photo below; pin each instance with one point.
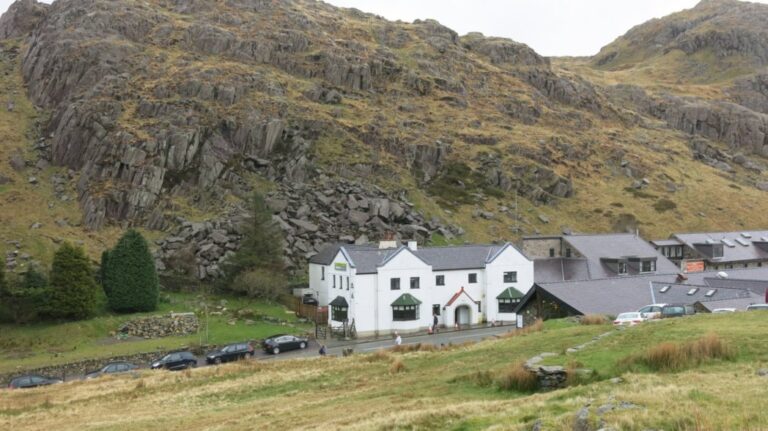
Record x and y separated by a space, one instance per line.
168 112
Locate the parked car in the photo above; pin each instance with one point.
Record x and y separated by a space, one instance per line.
677 310
32 381
176 361
112 368
282 343
309 299
629 319
723 310
652 311
231 352
754 307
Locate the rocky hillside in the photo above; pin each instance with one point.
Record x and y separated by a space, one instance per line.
165 114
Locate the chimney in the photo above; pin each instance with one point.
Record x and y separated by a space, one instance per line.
388 240
413 245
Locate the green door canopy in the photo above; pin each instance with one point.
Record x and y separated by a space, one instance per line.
339 301
406 299
510 293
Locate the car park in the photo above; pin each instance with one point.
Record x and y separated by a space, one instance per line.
677 310
754 307
231 352
112 368
32 381
175 361
652 311
282 343
629 319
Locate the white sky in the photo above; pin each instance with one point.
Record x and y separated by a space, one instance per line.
551 27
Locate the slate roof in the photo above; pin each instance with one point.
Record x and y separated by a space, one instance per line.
737 253
368 258
621 294
555 269
339 301
665 242
757 287
616 245
738 303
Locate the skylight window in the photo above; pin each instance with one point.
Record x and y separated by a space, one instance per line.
710 293
728 242
665 289
742 242
746 235
764 238
693 291
709 241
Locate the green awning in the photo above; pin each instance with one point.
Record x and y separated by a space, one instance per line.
406 299
510 293
339 301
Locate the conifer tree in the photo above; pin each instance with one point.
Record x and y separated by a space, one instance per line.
129 276
74 291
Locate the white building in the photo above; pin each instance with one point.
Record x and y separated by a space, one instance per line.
398 288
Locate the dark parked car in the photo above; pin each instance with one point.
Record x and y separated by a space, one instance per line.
32 381
176 361
676 310
112 368
281 343
309 300
232 352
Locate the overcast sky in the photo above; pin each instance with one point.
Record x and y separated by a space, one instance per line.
551 27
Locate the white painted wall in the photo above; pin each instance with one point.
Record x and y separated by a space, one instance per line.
370 296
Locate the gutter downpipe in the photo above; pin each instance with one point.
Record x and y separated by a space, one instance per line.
653 295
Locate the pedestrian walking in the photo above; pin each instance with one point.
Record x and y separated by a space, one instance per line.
398 339
434 323
322 350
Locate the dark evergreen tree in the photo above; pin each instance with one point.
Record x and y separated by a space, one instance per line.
130 279
257 266
74 291
27 300
103 270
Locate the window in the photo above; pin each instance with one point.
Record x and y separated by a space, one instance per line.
622 267
334 281
717 250
568 252
394 284
439 280
414 282
507 305
322 273
710 293
510 277
729 266
338 314
746 265
347 282
472 278
402 313
665 289
693 291
648 266
551 252
436 309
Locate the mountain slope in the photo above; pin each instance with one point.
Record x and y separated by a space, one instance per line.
169 113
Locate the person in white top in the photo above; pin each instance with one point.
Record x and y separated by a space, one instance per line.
398 339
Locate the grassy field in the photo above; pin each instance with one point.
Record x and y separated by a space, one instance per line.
431 389
31 346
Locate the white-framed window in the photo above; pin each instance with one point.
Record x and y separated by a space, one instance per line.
439 280
510 277
394 284
414 282
401 313
472 278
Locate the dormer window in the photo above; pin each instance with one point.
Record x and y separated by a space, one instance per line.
648 266
622 268
717 250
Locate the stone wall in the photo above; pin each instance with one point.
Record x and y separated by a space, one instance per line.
161 326
76 370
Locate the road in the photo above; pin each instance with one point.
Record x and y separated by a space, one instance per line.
335 348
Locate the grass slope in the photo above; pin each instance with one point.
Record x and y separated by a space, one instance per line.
30 346
426 390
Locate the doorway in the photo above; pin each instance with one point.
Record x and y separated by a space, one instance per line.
462 315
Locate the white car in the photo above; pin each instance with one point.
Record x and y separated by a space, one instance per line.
652 311
723 310
629 319
757 307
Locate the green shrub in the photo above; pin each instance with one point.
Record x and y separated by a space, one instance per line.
259 283
74 293
130 279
